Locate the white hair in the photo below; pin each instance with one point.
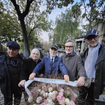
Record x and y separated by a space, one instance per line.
35 50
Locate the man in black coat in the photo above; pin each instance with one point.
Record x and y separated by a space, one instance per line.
11 65
94 62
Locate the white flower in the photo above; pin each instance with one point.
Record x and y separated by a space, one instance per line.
50 94
39 99
42 92
55 93
30 99
67 101
50 89
45 95
49 100
61 90
39 90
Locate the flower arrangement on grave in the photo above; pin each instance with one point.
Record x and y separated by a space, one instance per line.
52 94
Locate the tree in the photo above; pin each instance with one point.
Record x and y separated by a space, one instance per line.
24 9
9 28
66 27
94 11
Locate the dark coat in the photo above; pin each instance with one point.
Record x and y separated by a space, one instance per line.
46 64
100 71
74 66
30 65
5 83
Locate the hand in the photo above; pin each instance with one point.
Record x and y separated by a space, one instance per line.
81 81
32 76
22 83
66 78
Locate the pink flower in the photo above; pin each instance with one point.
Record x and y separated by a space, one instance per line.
59 97
63 98
48 86
73 98
72 102
61 93
43 103
34 93
53 97
61 102
39 99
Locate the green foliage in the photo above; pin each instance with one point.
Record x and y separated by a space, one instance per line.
66 27
9 28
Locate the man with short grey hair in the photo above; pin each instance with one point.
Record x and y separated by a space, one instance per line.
73 63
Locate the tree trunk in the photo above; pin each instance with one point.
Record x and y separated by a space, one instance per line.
26 46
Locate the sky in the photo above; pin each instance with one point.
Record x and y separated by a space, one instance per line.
53 16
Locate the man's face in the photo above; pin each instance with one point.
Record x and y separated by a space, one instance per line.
12 52
53 52
92 40
34 55
69 47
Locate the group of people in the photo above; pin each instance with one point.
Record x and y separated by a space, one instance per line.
15 70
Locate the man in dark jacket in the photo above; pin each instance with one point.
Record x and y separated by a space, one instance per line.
11 65
94 62
73 63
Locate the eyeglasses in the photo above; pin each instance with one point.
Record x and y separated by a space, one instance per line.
69 46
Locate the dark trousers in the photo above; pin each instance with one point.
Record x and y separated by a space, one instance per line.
17 99
87 95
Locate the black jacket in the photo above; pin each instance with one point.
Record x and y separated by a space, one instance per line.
30 65
5 83
100 71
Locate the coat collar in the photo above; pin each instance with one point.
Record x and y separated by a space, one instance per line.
101 55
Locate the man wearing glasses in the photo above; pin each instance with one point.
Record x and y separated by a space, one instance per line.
94 62
73 63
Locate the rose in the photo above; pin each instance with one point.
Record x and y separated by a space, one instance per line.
49 100
45 95
42 92
55 93
72 102
59 97
53 97
61 90
61 93
39 99
61 102
30 99
50 94
67 101
38 90
50 89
